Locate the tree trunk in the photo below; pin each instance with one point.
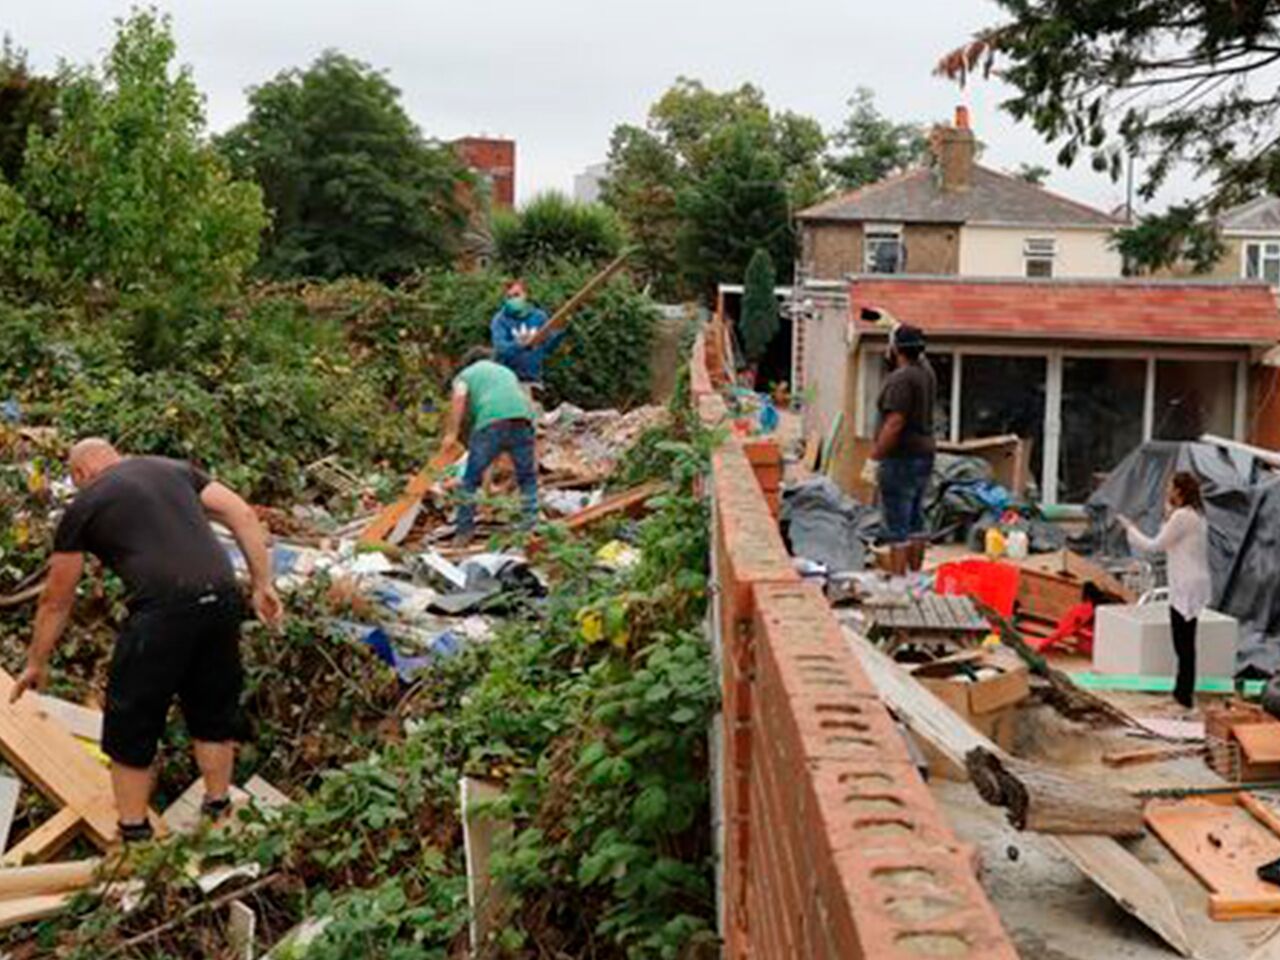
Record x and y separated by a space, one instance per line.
1043 801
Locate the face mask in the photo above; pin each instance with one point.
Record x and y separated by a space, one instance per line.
517 305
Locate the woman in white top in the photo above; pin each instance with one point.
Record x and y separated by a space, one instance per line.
1184 538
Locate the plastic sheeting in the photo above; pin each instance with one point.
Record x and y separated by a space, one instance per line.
823 525
1242 506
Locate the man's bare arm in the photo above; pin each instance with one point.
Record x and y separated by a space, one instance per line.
457 415
227 507
890 432
52 614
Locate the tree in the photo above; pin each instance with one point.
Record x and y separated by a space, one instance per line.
1168 81
353 186
552 227
124 196
869 147
26 102
736 205
695 170
759 323
1179 236
1033 173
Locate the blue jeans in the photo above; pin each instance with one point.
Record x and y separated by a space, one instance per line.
514 437
904 481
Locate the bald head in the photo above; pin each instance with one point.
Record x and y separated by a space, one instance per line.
91 457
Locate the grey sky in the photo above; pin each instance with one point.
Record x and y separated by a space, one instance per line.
558 75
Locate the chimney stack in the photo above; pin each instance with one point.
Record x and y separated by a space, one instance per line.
954 148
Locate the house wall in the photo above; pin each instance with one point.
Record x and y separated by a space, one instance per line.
998 252
833 251
825 364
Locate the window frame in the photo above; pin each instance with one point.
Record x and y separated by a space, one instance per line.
1260 245
1039 250
882 233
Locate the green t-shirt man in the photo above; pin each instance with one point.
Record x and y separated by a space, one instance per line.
493 394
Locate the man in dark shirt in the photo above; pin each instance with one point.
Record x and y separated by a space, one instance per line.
147 519
905 446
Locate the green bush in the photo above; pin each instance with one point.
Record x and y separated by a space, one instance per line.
552 227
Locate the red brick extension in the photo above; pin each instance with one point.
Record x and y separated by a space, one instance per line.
835 849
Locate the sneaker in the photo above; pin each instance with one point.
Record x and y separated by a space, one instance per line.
214 808
136 832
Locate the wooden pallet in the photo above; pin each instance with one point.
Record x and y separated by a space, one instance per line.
41 749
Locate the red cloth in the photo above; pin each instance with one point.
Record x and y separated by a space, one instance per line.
1074 631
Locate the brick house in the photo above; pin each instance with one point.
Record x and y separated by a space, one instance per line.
956 217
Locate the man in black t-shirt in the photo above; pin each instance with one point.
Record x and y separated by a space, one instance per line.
147 519
905 447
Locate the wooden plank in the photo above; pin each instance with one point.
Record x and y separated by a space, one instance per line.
242 930
390 517
183 815
9 790
47 839
482 836
45 753
1102 859
1223 844
267 794
1131 758
30 909
628 503
47 878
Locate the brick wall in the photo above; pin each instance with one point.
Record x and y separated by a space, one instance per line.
834 848
494 159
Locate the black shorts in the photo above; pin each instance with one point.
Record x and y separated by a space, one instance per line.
189 649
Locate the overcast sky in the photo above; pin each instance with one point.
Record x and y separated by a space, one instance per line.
558 75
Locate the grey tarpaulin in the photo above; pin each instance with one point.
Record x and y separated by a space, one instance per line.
822 524
1242 506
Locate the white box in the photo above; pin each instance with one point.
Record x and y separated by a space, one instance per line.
1136 640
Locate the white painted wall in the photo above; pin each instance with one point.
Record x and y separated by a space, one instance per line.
826 358
998 252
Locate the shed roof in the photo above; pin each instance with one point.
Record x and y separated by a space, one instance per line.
1169 312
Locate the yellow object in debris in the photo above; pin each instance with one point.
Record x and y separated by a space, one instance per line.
617 555
991 640
995 543
599 625
36 479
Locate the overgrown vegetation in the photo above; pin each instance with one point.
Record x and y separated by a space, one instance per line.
552 227
597 734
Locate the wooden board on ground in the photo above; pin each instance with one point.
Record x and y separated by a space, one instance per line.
1223 840
1050 584
393 516
45 753
1132 758
183 815
628 503
45 840
48 878
1102 859
30 909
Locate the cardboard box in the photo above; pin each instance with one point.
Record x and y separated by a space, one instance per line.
989 704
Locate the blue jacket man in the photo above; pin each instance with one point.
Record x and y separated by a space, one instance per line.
512 327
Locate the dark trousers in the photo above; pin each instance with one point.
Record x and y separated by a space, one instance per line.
1184 645
514 437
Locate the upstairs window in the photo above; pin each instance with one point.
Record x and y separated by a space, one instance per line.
1262 261
884 252
1038 254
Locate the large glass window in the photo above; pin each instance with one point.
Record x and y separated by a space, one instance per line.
883 253
944 369
1004 394
1194 397
1101 417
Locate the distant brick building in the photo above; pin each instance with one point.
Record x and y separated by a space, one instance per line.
495 160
